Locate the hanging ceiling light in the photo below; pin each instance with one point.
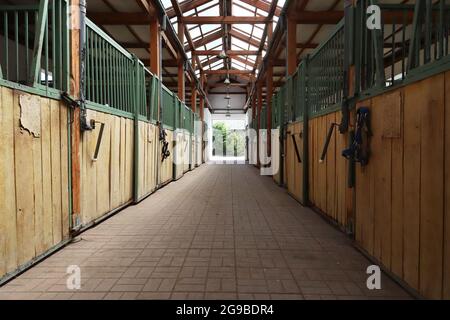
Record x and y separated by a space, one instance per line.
227 81
222 55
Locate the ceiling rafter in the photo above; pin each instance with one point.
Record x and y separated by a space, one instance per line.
179 12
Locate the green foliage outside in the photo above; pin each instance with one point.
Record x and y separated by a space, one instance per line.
227 142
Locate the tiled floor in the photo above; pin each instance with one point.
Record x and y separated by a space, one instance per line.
222 231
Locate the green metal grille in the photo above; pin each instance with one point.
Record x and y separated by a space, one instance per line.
326 74
403 48
35 44
168 108
111 78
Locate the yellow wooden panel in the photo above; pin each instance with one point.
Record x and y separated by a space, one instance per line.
47 223
39 242
322 167
364 202
129 159
55 140
89 189
122 161
115 195
411 190
8 237
64 172
392 115
341 179
311 163
398 217
290 156
446 279
431 102
381 163
23 155
331 169
103 166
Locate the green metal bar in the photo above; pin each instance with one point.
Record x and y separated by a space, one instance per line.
428 27
415 35
136 134
39 39
88 66
101 57
16 37
27 42
54 59
108 73
6 44
97 69
58 77
46 56
378 48
66 50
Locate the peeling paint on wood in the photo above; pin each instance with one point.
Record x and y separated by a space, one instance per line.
30 114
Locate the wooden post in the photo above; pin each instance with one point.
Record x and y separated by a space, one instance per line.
260 97
181 78
269 83
291 46
194 89
76 113
269 93
155 48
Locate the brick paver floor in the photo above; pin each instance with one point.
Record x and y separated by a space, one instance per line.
221 232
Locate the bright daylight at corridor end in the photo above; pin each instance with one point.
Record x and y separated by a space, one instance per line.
225 154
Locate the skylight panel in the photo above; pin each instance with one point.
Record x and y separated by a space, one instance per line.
208 4
209 28
240 43
262 13
243 4
166 3
211 12
213 44
195 33
218 66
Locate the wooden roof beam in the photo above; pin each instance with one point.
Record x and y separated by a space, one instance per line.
186 6
229 52
224 20
264 6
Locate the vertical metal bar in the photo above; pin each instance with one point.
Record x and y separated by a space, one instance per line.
59 45
65 29
102 67
394 32
38 41
54 42
6 51
88 66
27 43
415 35
97 70
136 134
404 44
123 70
107 70
116 81
16 40
378 41
428 30
46 55
441 32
